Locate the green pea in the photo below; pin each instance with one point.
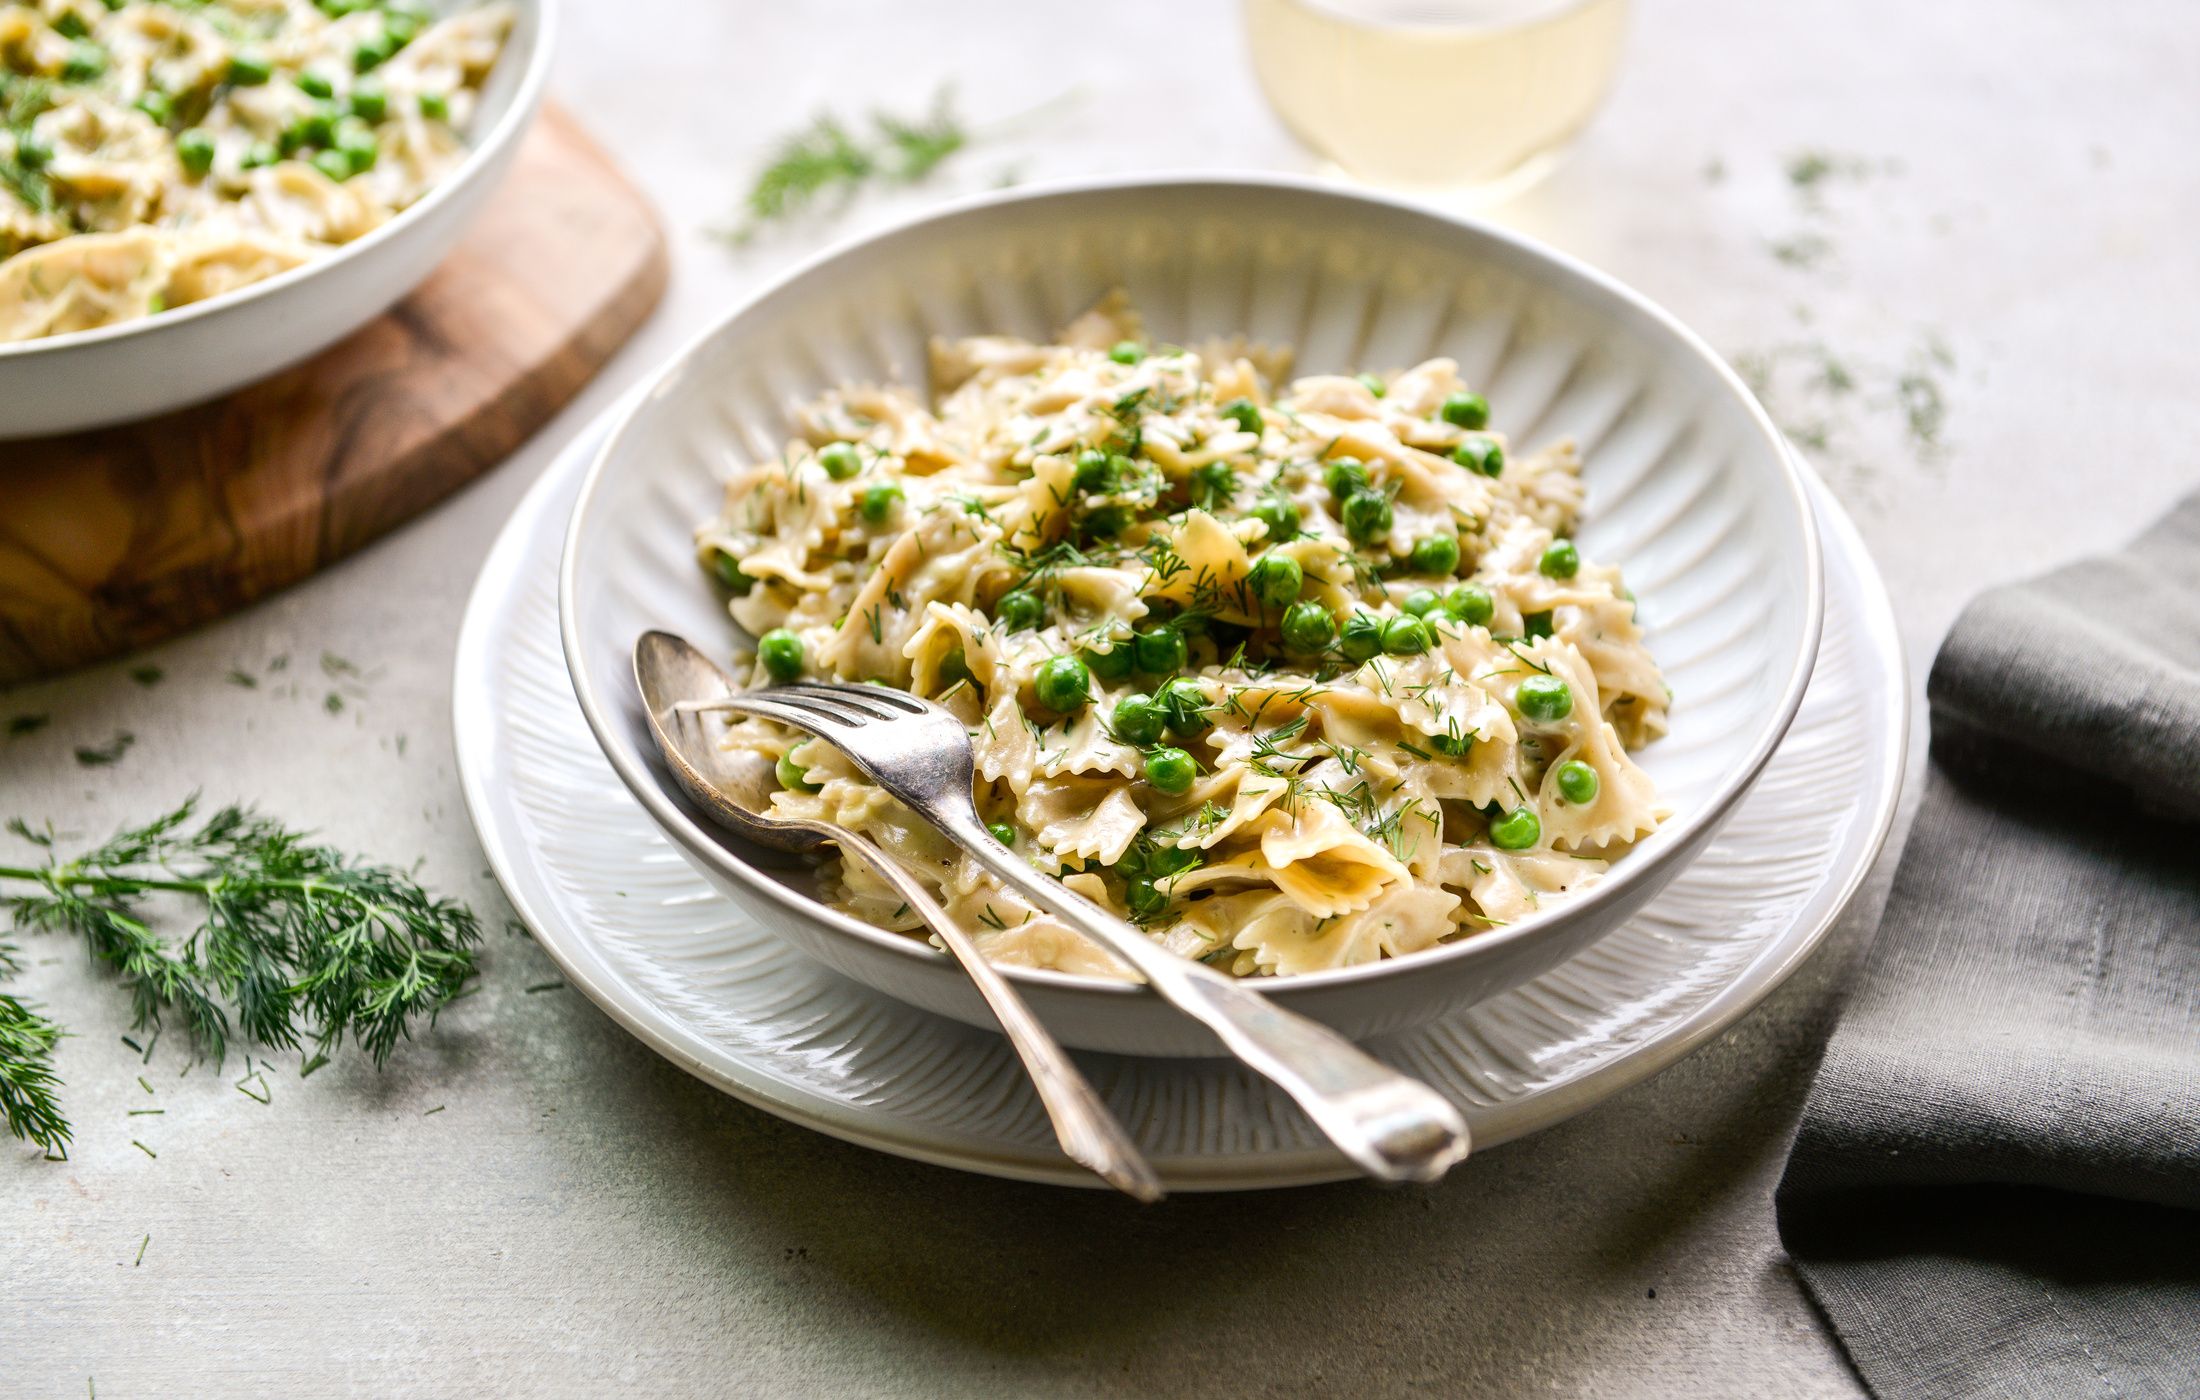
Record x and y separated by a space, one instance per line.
261 153
1435 554
30 152
840 460
370 102
781 652
1560 560
1545 699
1406 635
1480 452
1577 782
315 128
71 25
1276 580
1517 830
372 53
1144 900
334 164
435 106
1001 832
84 63
1280 516
1421 602
1344 476
793 776
1163 861
195 148
1126 352
1246 414
1171 770
1451 745
1107 522
954 668
1466 410
1471 603
1139 719
1019 610
1114 664
1161 651
1367 516
1185 704
157 106
1536 624
1063 684
248 69
729 573
1362 637
1308 628
1095 475
1214 486
1373 384
878 501
315 85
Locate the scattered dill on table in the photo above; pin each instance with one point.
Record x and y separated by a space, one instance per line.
147 676
303 943
108 754
20 725
831 159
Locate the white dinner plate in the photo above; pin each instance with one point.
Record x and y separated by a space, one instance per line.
645 938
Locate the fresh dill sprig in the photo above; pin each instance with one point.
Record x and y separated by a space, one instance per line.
302 942
27 1079
827 158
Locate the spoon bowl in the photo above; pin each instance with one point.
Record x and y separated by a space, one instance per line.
678 682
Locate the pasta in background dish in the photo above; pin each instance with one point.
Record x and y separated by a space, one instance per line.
1294 683
155 153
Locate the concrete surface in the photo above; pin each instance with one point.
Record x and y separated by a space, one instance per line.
528 1202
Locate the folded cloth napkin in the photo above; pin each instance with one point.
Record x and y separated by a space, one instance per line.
1995 1190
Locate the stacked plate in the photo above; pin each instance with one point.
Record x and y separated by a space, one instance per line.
1783 762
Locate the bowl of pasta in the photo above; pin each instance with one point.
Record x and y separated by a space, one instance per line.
195 196
1356 598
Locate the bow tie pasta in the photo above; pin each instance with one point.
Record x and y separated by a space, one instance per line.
1293 681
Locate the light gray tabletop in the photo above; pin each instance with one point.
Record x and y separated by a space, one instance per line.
528 1201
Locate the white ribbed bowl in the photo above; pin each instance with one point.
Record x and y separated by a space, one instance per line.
114 374
1689 488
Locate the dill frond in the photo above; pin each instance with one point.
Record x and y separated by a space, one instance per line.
300 942
827 159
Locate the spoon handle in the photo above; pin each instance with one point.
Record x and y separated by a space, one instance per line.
1087 1131
1394 1127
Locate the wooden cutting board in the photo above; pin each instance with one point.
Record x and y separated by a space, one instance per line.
114 539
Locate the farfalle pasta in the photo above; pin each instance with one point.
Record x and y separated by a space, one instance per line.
156 153
1294 680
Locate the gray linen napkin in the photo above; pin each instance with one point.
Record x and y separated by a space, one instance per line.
1995 1190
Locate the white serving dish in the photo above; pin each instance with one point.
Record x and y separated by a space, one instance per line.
1689 487
114 374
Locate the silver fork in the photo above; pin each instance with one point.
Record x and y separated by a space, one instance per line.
1395 1128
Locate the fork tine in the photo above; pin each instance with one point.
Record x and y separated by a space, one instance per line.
875 694
853 697
815 718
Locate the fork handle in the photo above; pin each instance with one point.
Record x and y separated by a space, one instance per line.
1088 1133
1394 1127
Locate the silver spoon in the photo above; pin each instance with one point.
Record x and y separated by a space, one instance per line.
1393 1126
676 681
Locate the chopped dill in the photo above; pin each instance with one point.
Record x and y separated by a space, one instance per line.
830 160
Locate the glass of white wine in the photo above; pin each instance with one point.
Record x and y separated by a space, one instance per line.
1468 99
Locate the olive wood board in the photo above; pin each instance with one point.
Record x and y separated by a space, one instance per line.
113 539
